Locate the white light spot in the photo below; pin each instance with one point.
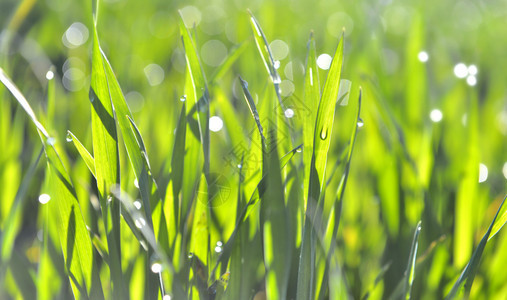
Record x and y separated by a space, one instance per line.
504 170
137 204
218 249
279 49
436 115
154 73
219 243
324 61
50 75
191 15
460 70
213 53
276 64
156 267
289 113
44 198
215 124
166 297
483 172
471 80
75 36
472 70
423 56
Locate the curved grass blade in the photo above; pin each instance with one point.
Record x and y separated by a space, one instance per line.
410 272
467 276
267 57
87 157
74 238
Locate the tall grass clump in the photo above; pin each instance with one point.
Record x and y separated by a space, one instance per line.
229 174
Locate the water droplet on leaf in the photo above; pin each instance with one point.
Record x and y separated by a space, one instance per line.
68 137
360 123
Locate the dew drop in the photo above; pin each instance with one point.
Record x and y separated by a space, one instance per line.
137 204
323 133
276 64
92 95
183 98
51 141
136 183
299 149
156 267
68 138
166 297
360 123
140 223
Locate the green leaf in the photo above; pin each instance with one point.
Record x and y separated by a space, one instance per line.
74 238
106 157
467 276
85 155
410 271
311 99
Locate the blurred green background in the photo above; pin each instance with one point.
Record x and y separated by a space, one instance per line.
432 148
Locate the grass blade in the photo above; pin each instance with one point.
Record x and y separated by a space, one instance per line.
74 238
311 99
106 157
467 276
85 155
410 272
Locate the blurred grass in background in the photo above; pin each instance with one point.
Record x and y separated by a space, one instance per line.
430 147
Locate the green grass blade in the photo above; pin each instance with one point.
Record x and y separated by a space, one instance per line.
131 212
74 238
265 52
106 157
201 94
13 89
311 99
13 221
85 155
410 271
324 124
321 142
467 276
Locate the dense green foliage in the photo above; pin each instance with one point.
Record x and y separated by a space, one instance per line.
253 149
